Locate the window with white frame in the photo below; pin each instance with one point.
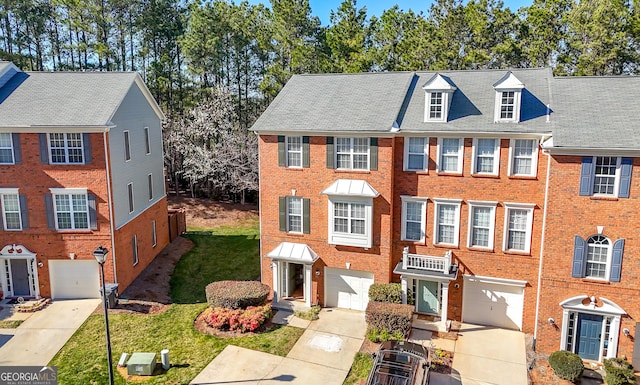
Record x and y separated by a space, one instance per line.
486 156
147 142
416 154
507 105
66 148
450 155
518 226
350 222
127 146
435 106
524 157
154 234
11 213
598 257
134 249
130 195
294 151
482 218
447 221
414 213
352 153
6 148
606 175
71 209
294 214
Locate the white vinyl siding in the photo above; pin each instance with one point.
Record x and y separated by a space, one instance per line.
416 154
66 148
482 218
486 156
518 226
450 155
414 215
524 157
447 221
352 153
294 151
6 148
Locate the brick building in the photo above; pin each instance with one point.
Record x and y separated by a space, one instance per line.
81 166
495 197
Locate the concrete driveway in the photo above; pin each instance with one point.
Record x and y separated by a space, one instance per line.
322 356
44 333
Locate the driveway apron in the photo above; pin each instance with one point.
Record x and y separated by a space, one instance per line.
322 356
42 335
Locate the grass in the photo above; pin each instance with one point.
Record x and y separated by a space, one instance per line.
10 324
225 253
360 369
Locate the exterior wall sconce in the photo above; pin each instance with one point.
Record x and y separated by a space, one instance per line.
626 332
318 272
551 321
40 264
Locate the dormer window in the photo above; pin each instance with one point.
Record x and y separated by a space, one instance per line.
508 96
438 94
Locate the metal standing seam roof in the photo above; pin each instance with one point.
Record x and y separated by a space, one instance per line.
293 252
351 187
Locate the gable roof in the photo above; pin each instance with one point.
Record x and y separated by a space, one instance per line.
85 100
365 102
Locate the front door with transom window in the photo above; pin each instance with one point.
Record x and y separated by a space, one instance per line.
428 297
589 335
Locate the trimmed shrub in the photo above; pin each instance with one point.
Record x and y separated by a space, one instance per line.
391 318
236 294
566 365
385 292
309 315
619 372
246 320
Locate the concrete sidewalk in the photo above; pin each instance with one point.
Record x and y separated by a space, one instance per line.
322 356
44 333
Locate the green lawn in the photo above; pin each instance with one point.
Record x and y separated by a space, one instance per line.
223 253
360 369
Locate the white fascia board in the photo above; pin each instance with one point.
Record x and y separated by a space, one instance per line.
47 129
495 280
582 151
343 133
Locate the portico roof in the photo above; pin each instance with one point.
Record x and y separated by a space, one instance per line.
351 187
293 252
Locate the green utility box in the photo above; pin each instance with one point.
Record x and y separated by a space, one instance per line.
141 364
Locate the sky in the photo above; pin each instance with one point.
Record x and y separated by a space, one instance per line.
322 8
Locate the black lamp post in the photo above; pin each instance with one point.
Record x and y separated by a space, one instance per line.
100 254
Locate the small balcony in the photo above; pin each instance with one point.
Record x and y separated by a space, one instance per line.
427 262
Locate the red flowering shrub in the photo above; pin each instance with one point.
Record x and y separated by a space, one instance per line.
246 320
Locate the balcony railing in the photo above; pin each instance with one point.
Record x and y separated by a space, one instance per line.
426 262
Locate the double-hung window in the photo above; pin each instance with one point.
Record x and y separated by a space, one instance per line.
435 105
486 156
450 155
12 209
294 215
6 148
482 218
416 154
597 258
606 176
350 221
447 221
507 105
517 227
71 209
294 151
524 157
352 153
66 148
414 213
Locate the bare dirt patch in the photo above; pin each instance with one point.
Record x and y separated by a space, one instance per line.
206 213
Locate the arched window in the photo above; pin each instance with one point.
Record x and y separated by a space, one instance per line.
598 256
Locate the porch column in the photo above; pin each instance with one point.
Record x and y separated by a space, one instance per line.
614 332
403 285
307 285
276 283
444 306
563 331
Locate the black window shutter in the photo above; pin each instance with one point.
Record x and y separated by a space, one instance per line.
579 257
306 211
44 149
616 260
24 214
586 176
17 153
306 158
373 154
93 215
48 204
86 143
282 211
281 151
626 169
330 149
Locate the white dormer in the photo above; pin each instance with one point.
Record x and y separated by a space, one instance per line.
508 97
438 94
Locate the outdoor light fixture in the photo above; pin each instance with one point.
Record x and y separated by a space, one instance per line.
626 332
551 321
317 271
100 254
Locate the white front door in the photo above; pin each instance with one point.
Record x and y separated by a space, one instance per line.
348 289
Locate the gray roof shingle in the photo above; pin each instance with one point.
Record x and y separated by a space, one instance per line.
66 99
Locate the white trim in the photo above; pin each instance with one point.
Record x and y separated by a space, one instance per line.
444 106
150 185
67 193
534 158
607 263
147 137
496 157
63 191
517 95
349 239
492 224
529 207
425 159
66 148
423 217
130 198
13 151
288 200
286 151
437 202
460 156
495 280
10 192
126 142
351 152
616 183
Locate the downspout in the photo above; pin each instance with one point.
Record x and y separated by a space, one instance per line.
541 258
259 204
110 202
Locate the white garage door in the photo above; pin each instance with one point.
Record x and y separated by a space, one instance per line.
348 289
494 304
74 279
